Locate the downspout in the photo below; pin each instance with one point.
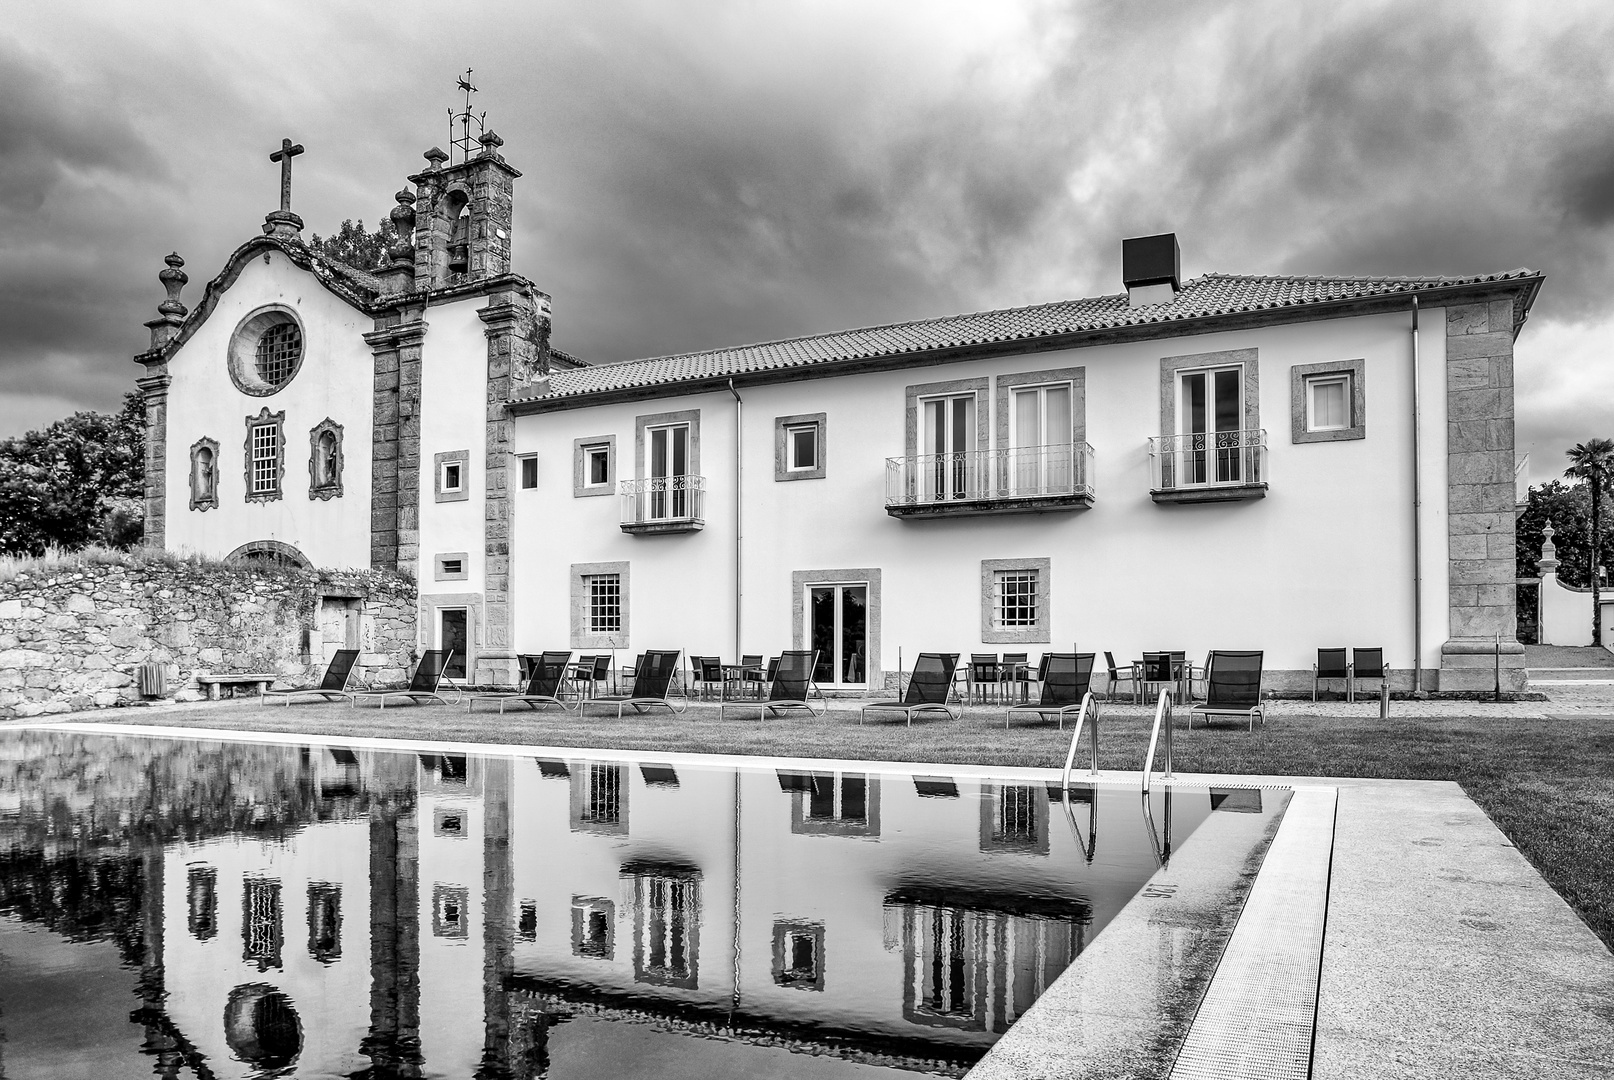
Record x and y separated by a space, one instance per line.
739 472
1417 509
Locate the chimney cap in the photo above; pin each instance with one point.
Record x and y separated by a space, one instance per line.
1151 260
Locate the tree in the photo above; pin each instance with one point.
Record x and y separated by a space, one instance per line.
80 480
1569 508
1593 462
357 246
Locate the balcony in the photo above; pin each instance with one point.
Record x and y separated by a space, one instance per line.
1024 480
1217 466
664 504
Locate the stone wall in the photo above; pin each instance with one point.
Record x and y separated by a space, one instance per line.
72 633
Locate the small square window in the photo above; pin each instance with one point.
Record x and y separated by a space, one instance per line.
452 471
452 566
594 466
1328 402
529 472
1015 600
803 447
799 447
598 470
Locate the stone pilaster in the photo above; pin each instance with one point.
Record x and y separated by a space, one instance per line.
396 344
1480 498
154 387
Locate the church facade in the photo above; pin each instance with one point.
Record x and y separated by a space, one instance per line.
1282 463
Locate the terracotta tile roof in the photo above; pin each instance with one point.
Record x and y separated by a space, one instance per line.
1207 296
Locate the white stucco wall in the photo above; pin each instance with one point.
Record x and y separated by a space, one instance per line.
335 382
1324 560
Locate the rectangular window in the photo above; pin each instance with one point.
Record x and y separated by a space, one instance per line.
594 466
1015 601
803 447
597 467
529 472
1328 402
604 603
265 458
452 476
453 567
798 446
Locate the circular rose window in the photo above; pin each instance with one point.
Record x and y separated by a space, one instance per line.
265 351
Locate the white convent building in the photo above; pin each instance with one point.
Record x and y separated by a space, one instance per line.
1230 461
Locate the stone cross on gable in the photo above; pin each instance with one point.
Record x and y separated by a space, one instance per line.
287 151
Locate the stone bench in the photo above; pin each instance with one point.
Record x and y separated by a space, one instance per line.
212 683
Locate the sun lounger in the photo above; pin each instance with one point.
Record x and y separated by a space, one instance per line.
1232 687
790 687
425 683
338 673
544 683
929 689
1065 682
653 676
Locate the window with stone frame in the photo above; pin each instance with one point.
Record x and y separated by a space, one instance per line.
798 447
1015 601
594 466
325 460
204 478
451 475
1328 402
265 456
599 605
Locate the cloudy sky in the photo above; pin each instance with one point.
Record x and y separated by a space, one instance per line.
702 173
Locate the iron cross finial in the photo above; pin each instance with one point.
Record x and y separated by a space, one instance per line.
287 151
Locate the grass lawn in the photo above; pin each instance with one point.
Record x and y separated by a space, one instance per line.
1548 784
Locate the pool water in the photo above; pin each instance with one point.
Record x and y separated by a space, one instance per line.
252 909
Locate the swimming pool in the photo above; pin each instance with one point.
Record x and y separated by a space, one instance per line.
332 907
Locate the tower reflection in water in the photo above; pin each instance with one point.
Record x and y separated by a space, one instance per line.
521 917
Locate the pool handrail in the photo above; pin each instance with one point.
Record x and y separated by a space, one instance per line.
1162 711
1075 736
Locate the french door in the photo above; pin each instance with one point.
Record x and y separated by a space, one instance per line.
947 439
838 627
1210 408
669 463
1041 456
452 635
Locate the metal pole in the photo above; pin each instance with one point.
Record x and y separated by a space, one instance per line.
1498 658
739 473
1417 510
1384 699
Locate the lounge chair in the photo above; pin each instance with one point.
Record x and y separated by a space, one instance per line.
544 682
1331 666
929 688
652 678
338 673
425 682
1367 664
790 688
1116 678
1065 681
1232 687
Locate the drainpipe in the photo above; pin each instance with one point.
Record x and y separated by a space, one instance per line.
1417 510
739 457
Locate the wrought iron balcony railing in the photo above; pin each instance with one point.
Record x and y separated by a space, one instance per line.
663 504
1208 465
1006 480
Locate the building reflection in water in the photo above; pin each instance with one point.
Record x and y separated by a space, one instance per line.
894 920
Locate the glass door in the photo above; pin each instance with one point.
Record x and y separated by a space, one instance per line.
451 635
1211 412
837 626
1041 447
948 437
669 462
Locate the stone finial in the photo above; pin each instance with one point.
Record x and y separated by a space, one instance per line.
490 143
403 220
434 158
170 313
1548 563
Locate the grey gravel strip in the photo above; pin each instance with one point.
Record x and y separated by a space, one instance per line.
1260 1011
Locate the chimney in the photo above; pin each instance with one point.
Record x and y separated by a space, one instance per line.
1151 268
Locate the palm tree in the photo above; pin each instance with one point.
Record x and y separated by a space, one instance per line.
1593 462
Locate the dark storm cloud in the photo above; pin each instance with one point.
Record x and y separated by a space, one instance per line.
707 174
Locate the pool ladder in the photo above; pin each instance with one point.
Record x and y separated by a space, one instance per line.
1162 718
1089 703
1162 721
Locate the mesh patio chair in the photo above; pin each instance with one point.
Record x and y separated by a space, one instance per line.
1181 669
525 662
708 670
1066 679
545 680
751 673
333 686
929 688
984 671
1368 664
653 678
426 682
1117 677
1232 687
789 687
1158 670
1331 665
1016 671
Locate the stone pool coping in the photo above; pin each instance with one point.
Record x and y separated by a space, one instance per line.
1447 955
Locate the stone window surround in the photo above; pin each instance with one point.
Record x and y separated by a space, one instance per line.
430 623
580 637
463 492
781 446
1171 367
1075 376
641 424
950 388
800 579
242 352
441 573
1041 633
279 421
1301 374
209 500
316 490
581 489
785 929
